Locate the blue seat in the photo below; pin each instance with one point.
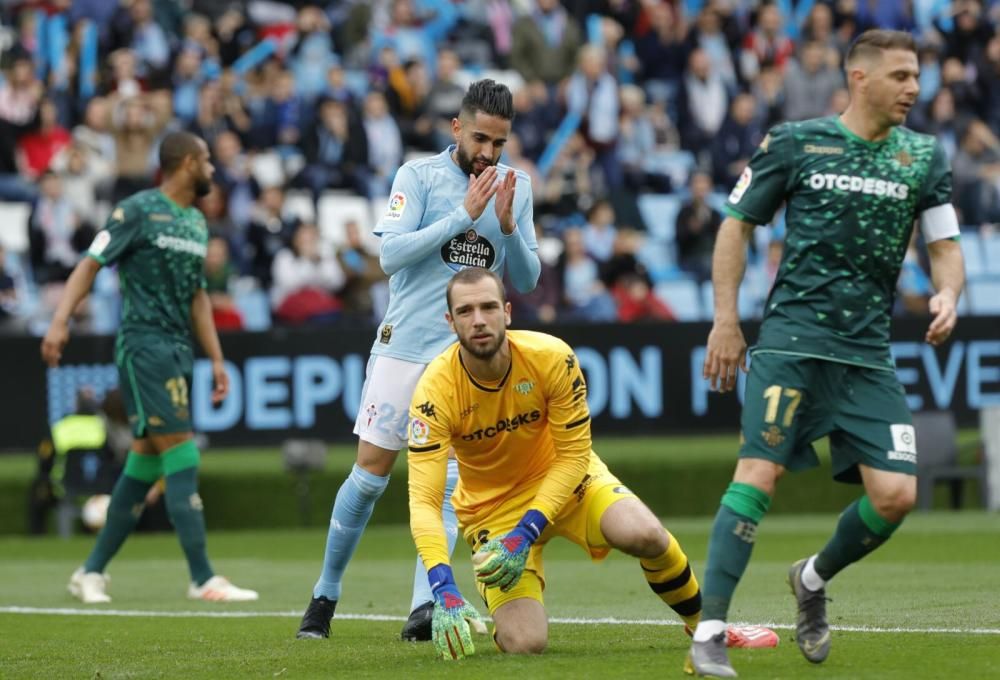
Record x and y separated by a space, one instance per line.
681 296
255 307
659 213
984 296
991 254
972 252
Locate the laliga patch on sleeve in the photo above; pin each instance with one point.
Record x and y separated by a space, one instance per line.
397 206
904 438
741 186
419 431
100 242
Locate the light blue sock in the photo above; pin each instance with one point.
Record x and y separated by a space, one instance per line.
351 511
421 586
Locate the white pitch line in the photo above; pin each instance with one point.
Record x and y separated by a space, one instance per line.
607 621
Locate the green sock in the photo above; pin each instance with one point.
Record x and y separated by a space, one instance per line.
742 508
180 465
127 501
859 531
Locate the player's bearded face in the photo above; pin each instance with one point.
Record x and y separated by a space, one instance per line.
479 142
203 176
480 318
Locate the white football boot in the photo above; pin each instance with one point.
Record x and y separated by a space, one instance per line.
219 589
89 587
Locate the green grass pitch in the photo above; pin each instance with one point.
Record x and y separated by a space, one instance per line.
927 605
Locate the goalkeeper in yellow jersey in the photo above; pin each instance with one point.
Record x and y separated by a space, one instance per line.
513 406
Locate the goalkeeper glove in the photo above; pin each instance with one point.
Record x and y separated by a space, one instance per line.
452 616
505 557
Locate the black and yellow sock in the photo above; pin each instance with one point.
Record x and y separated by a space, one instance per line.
180 465
127 502
670 577
733 534
859 531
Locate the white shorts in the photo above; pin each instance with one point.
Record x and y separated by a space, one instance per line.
385 401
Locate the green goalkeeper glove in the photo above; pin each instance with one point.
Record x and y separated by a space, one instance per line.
452 617
500 562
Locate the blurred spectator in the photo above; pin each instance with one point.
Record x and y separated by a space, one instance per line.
385 144
970 30
810 82
9 298
149 42
584 295
336 151
624 260
540 305
736 141
766 44
636 302
219 275
937 118
531 117
220 110
445 97
268 233
336 85
20 93
513 156
703 102
313 54
599 232
40 146
818 28
362 270
188 78
84 177
57 234
409 101
662 52
592 93
637 139
769 94
94 133
709 36
955 77
306 276
411 36
215 207
697 225
545 43
137 124
232 173
568 188
976 171
988 82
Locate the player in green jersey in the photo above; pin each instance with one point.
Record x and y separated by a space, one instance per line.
853 186
157 239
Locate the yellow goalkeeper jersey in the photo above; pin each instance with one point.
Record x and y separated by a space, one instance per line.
527 432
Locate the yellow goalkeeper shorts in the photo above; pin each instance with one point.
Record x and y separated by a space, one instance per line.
579 521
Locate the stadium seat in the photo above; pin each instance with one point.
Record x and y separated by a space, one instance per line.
659 213
984 296
336 209
682 296
255 307
14 226
937 459
991 253
657 254
299 204
972 251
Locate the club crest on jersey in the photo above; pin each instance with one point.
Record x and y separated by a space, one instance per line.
524 387
904 158
741 186
773 436
470 249
420 432
397 205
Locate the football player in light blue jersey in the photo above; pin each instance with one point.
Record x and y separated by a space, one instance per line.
457 209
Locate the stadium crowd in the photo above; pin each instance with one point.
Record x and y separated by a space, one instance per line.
634 119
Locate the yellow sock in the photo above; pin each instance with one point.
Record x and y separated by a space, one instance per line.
670 577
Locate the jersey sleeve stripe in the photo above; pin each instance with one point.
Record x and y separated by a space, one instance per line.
99 258
425 449
578 423
737 215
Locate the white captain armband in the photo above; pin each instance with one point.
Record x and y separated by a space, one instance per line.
939 222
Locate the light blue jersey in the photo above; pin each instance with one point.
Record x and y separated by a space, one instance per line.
428 236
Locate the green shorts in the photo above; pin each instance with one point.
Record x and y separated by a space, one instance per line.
155 376
791 401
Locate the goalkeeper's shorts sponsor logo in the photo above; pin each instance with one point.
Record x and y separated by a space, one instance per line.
505 425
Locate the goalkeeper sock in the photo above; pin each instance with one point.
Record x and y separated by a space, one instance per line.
670 577
421 586
184 507
127 501
351 511
742 508
860 530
